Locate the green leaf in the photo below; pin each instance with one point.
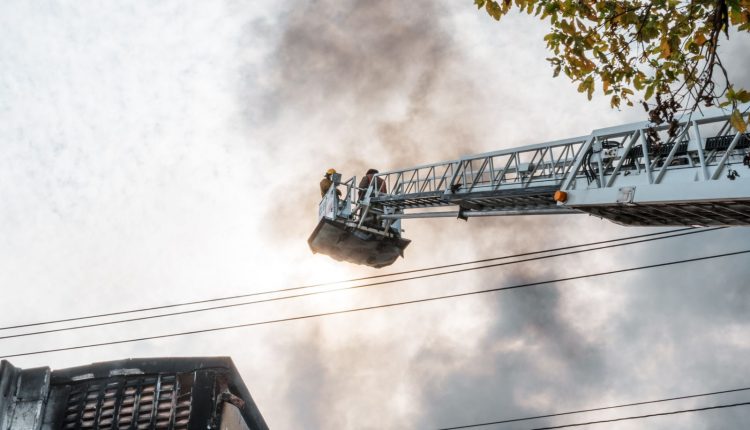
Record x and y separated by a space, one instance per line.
589 86
638 82
742 96
649 92
556 72
493 9
737 122
615 102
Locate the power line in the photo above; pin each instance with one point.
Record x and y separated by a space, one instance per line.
637 417
625 405
387 305
231 305
406 272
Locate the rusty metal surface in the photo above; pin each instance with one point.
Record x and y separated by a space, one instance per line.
22 396
146 394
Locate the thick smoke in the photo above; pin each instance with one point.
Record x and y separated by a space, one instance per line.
365 84
383 84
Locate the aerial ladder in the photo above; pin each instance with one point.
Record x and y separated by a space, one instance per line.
624 174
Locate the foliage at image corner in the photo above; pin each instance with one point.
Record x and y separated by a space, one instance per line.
666 50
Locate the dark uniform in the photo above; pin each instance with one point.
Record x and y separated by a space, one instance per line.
365 182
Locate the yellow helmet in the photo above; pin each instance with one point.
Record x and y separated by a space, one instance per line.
330 171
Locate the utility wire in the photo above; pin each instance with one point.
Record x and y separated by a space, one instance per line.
406 272
559 414
387 305
637 417
273 299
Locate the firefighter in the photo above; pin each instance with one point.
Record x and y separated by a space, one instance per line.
365 182
326 182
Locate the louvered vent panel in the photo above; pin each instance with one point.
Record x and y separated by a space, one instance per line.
129 403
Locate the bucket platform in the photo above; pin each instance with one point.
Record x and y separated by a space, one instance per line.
356 245
351 230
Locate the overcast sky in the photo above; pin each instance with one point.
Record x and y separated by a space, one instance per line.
162 152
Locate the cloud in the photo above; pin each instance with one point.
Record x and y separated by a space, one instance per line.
155 154
364 84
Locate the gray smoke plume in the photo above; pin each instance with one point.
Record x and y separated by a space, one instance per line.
379 84
365 84
371 85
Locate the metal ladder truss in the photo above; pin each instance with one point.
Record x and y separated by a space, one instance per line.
695 177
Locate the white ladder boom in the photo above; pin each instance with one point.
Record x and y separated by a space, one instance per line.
617 173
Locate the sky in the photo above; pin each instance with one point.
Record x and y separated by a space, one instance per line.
162 152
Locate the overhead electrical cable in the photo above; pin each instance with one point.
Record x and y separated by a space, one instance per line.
387 305
392 281
406 272
638 417
603 408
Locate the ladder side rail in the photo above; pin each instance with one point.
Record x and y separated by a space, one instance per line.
492 171
696 144
512 173
483 213
602 159
633 132
709 158
556 169
412 179
524 168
